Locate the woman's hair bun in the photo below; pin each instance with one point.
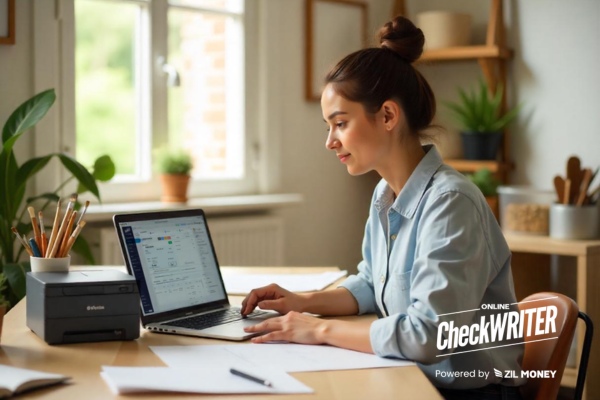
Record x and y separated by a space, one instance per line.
402 37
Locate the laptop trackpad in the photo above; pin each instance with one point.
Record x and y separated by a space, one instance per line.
235 330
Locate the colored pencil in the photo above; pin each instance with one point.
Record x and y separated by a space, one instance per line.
63 226
44 238
72 238
54 231
36 229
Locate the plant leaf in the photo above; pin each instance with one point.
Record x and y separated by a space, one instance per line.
80 173
27 170
479 111
507 118
15 274
8 168
104 168
52 197
30 168
23 118
27 115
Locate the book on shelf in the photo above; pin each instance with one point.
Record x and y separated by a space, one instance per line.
17 380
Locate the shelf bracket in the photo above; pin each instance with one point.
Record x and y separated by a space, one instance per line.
489 72
495 30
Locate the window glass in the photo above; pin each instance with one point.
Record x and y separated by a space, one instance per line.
205 108
107 106
150 73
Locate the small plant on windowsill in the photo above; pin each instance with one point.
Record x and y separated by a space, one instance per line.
174 167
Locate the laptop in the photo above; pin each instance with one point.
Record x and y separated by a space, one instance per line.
173 260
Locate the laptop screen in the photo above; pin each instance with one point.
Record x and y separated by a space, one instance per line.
173 262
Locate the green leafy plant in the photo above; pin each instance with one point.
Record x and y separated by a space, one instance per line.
178 162
485 181
480 112
13 182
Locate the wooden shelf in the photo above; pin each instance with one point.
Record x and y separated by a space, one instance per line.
543 244
467 53
475 165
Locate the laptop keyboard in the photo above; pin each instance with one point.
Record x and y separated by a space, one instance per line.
212 319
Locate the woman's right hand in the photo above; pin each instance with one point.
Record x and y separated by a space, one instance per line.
272 297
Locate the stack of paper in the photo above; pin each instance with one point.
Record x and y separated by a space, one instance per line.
197 380
183 375
282 357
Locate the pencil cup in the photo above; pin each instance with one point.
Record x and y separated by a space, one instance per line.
39 264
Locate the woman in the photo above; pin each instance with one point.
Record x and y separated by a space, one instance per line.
432 248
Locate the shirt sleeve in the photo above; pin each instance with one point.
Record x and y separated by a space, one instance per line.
451 272
361 284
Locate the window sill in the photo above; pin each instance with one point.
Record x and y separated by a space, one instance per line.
210 205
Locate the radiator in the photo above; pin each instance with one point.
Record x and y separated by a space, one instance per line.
248 240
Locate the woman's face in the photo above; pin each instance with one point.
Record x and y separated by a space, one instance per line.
358 139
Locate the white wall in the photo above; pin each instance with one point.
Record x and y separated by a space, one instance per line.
554 73
557 75
328 228
16 71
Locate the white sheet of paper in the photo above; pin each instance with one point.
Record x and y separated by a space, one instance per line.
197 380
283 357
243 284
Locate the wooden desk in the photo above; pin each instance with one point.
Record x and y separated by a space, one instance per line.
22 348
587 254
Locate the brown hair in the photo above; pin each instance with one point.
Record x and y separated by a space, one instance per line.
374 75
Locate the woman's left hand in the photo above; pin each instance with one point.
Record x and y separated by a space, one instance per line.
293 327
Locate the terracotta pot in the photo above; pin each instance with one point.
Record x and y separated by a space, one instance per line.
174 188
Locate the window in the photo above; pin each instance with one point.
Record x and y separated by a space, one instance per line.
154 73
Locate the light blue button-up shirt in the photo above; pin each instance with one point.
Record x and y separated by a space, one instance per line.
436 249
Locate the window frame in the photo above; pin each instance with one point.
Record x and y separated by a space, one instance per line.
62 139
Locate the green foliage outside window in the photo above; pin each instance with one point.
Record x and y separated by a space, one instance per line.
106 99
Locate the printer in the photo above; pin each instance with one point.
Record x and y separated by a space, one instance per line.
83 306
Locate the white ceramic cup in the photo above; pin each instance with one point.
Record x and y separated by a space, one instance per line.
39 264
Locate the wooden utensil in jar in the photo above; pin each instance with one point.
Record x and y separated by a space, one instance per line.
585 183
567 194
559 186
574 175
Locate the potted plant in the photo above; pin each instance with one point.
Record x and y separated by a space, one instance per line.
13 183
488 184
480 114
174 167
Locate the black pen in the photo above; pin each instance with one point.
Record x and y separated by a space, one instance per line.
250 377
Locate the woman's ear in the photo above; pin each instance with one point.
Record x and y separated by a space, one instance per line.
391 114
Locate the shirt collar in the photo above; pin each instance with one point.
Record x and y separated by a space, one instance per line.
410 196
